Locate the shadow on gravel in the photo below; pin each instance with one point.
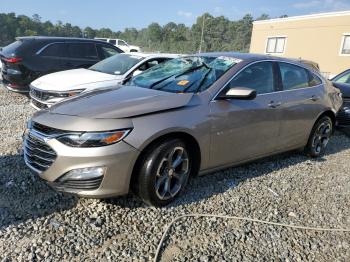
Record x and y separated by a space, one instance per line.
221 181
203 187
24 196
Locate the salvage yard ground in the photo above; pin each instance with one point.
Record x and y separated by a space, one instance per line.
37 223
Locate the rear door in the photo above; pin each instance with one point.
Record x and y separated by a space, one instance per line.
246 129
301 103
49 58
80 55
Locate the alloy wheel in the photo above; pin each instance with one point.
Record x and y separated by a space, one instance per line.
172 173
322 136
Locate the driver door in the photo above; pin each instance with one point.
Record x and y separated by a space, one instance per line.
246 129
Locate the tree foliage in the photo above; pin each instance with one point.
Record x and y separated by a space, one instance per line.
220 33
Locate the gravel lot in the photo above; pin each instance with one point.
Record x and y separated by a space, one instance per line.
36 223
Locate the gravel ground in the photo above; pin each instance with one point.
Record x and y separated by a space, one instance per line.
36 223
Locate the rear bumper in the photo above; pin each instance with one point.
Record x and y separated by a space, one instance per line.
15 83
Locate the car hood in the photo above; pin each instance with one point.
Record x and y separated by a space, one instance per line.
344 88
72 79
120 102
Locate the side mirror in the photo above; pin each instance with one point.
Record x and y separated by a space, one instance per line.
238 93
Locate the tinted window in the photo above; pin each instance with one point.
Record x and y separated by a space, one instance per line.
82 50
258 76
314 80
53 50
293 77
113 42
11 48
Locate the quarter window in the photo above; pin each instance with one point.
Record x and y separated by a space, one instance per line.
314 80
275 45
293 77
258 76
82 50
346 45
54 50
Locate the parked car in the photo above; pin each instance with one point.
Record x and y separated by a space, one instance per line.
342 81
31 57
123 45
56 87
189 115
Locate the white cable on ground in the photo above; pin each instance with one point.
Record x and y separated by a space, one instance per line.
245 219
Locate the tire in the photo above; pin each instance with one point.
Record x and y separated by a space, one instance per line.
163 172
319 137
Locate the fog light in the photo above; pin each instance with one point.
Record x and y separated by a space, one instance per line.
84 173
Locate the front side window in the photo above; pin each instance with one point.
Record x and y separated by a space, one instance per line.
345 50
117 65
54 50
258 76
82 50
293 77
275 45
186 74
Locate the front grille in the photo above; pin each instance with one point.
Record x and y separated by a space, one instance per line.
343 117
89 184
38 154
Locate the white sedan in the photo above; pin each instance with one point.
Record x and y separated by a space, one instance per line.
56 87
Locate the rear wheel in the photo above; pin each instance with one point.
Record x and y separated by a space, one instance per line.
319 137
164 172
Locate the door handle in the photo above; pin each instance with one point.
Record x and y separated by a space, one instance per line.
273 104
314 98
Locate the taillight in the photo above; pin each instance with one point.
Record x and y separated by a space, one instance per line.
13 60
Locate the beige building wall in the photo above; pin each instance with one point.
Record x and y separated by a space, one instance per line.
315 37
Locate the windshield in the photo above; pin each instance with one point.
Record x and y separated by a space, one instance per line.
117 65
185 75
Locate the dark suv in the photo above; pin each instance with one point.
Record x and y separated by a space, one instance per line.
31 57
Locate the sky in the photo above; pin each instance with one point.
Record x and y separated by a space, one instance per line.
118 15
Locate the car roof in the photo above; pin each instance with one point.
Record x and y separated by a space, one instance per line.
55 38
251 57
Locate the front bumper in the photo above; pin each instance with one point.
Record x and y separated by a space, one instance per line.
117 159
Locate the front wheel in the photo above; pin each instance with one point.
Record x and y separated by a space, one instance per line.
319 137
164 172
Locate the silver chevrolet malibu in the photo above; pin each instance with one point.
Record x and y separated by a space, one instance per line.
190 115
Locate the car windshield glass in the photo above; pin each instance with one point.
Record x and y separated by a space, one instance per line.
185 75
117 65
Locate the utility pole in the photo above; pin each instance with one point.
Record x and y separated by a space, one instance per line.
202 35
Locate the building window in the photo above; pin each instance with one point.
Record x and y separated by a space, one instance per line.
345 50
275 45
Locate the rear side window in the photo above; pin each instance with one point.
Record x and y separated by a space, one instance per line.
82 50
54 50
258 76
293 77
12 48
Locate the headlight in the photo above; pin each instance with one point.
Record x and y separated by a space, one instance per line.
70 93
93 139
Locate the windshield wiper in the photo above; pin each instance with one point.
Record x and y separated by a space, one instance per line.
203 64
